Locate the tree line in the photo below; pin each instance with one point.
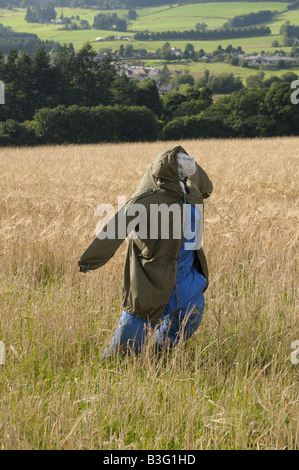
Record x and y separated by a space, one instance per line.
109 22
245 113
241 21
109 4
220 33
255 112
22 41
66 78
48 98
40 14
293 6
290 33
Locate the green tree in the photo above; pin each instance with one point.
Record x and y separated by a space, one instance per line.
189 52
132 15
289 77
43 79
148 95
255 81
25 89
12 82
124 91
268 82
190 108
201 27
84 76
121 50
244 111
165 75
14 133
204 80
182 79
170 102
129 50
225 83
64 62
234 61
282 115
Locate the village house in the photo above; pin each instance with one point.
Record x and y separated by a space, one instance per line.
115 38
137 72
208 57
176 51
266 60
164 87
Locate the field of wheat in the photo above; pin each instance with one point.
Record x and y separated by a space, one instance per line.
233 385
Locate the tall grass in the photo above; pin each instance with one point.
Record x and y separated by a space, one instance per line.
231 386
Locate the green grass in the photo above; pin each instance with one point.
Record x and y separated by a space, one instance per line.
164 18
198 69
180 18
232 386
158 19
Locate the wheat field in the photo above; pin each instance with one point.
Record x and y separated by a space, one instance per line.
233 385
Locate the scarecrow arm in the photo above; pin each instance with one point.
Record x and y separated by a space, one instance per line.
104 246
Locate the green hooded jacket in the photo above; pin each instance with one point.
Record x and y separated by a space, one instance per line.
151 263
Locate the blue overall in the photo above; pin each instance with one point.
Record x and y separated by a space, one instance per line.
181 317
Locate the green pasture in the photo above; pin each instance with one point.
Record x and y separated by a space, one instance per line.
292 16
16 20
249 45
159 19
197 69
180 18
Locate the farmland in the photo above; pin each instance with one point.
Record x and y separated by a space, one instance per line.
185 17
178 18
233 385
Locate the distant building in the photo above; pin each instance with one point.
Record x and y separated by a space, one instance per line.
136 72
100 55
269 60
164 88
115 38
208 58
176 51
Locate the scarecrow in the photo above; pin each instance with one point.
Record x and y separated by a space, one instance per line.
165 276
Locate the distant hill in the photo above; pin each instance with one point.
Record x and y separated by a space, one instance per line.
112 4
22 41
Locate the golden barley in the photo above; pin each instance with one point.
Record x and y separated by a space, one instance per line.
231 386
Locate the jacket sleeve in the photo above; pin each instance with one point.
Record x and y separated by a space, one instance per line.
106 243
205 184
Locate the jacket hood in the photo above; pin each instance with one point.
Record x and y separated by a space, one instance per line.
162 175
165 166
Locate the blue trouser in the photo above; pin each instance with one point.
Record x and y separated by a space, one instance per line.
176 324
180 320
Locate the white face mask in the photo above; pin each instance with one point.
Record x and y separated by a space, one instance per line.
186 163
